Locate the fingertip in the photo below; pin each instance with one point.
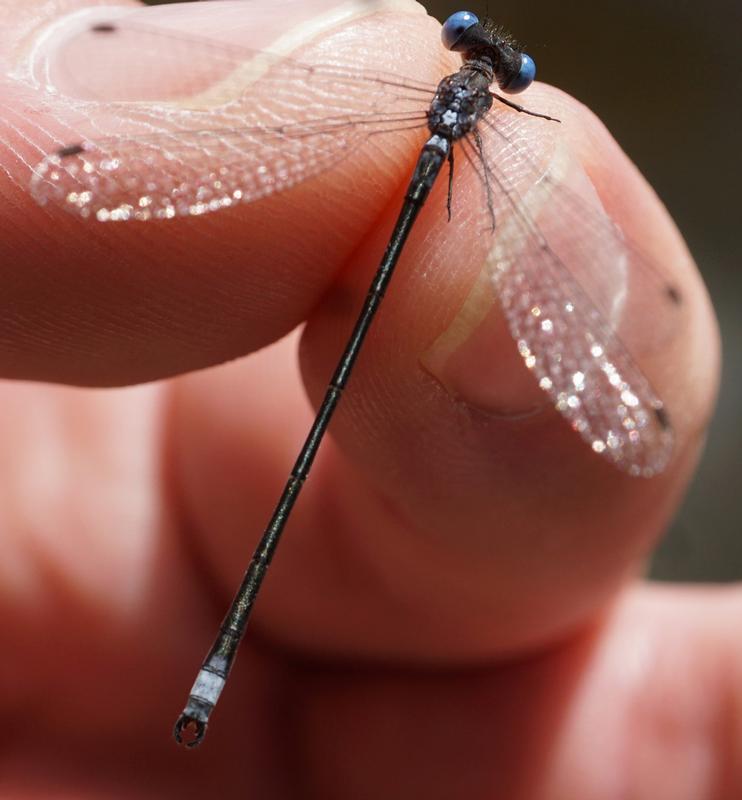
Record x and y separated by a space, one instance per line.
137 302
480 449
612 233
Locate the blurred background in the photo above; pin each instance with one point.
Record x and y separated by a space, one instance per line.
664 76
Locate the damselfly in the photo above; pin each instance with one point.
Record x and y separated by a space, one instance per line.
289 120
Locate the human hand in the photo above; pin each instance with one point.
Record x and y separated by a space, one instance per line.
453 612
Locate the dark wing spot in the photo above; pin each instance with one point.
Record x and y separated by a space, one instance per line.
70 150
103 27
662 417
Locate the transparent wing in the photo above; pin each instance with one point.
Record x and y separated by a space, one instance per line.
265 123
562 280
194 172
146 55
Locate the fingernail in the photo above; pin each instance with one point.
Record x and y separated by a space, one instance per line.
117 53
476 359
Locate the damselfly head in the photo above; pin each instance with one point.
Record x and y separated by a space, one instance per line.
463 33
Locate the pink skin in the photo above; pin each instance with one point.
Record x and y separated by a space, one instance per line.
455 615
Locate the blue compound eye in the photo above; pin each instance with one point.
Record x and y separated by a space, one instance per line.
455 27
524 78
